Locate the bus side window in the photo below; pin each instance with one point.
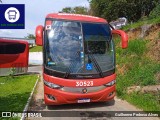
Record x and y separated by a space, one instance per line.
8 48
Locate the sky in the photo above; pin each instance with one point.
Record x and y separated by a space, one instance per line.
35 13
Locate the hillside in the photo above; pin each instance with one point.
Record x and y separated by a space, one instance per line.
151 34
138 66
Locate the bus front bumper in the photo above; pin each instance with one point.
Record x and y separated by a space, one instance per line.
57 97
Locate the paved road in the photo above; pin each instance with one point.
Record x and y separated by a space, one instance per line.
35 69
37 104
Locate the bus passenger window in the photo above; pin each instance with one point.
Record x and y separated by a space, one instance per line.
8 48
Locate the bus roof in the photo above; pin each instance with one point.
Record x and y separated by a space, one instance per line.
76 17
6 40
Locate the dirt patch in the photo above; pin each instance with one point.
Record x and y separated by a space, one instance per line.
134 34
157 76
133 89
154 44
154 50
153 33
37 102
153 89
145 29
122 69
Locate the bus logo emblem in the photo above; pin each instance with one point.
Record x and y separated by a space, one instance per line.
84 90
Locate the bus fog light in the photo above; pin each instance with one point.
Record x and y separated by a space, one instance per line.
110 94
51 97
110 83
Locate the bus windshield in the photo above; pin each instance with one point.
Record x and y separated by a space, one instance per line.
79 48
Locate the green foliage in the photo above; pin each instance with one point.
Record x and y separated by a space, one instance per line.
146 101
137 47
12 71
36 49
67 10
75 10
139 70
15 92
141 23
133 10
11 74
155 13
30 36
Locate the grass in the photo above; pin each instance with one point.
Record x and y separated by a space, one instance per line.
36 49
141 23
138 70
15 92
146 101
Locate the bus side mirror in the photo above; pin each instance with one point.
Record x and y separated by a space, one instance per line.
124 37
39 35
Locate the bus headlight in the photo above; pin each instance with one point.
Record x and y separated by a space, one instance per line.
52 85
110 83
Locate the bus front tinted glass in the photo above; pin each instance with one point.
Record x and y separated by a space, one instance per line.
69 44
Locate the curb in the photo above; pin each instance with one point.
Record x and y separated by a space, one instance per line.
29 99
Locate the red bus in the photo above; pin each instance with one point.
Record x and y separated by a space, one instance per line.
78 58
13 56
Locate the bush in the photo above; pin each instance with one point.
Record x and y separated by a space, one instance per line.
137 46
155 13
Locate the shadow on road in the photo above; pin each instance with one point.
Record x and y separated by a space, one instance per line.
81 106
39 105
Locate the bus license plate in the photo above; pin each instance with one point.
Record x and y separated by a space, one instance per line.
84 100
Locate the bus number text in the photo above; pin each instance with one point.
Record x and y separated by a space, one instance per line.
84 83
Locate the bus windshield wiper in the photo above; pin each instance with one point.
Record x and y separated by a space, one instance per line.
73 63
91 58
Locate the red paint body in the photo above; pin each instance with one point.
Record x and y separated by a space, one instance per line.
14 60
67 98
63 97
124 38
76 17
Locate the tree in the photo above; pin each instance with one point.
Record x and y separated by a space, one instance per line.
76 10
30 36
67 10
80 10
133 10
155 13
